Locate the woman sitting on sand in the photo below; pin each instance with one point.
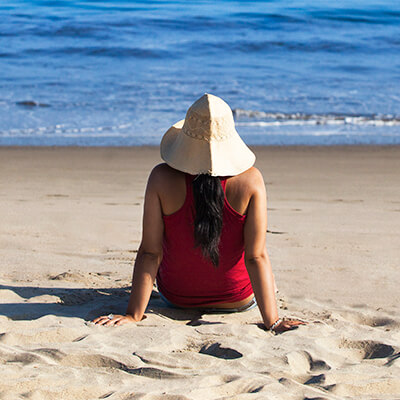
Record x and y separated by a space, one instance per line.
204 224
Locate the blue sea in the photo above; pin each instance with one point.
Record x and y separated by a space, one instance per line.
121 72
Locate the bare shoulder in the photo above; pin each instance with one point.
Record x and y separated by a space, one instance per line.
169 185
251 180
254 175
163 174
162 171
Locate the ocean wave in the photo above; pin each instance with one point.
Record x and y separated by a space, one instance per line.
350 15
113 52
296 119
355 15
284 46
46 29
269 17
203 48
65 130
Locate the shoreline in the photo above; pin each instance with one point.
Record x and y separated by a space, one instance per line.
310 146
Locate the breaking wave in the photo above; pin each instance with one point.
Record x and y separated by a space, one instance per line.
260 118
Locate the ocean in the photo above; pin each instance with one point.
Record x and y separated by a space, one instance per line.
120 73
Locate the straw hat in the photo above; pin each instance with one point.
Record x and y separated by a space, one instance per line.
206 141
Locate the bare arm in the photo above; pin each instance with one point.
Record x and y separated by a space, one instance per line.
148 258
256 257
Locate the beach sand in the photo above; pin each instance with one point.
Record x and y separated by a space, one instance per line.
70 223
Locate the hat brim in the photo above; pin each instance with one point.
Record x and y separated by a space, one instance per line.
228 157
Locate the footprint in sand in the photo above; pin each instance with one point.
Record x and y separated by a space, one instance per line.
359 349
302 362
367 349
216 350
316 380
373 321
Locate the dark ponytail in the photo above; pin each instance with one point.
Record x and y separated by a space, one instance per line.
209 203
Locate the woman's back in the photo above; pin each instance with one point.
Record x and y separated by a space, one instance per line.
185 276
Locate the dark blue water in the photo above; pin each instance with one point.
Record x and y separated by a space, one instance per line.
121 72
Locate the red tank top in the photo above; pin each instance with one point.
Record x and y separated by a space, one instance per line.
185 277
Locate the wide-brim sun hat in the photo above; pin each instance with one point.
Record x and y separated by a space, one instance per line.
206 141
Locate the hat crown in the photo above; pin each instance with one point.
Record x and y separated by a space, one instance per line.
206 141
209 118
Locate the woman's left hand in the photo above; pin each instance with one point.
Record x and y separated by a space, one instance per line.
288 325
109 320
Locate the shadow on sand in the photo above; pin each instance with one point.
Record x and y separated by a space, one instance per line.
83 303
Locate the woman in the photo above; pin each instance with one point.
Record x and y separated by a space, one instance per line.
204 223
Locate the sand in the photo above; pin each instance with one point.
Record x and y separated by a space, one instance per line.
70 223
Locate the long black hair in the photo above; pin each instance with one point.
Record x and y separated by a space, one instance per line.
209 203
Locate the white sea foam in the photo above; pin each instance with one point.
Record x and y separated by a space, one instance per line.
68 131
264 119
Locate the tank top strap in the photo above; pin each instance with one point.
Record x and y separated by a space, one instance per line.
189 192
223 183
